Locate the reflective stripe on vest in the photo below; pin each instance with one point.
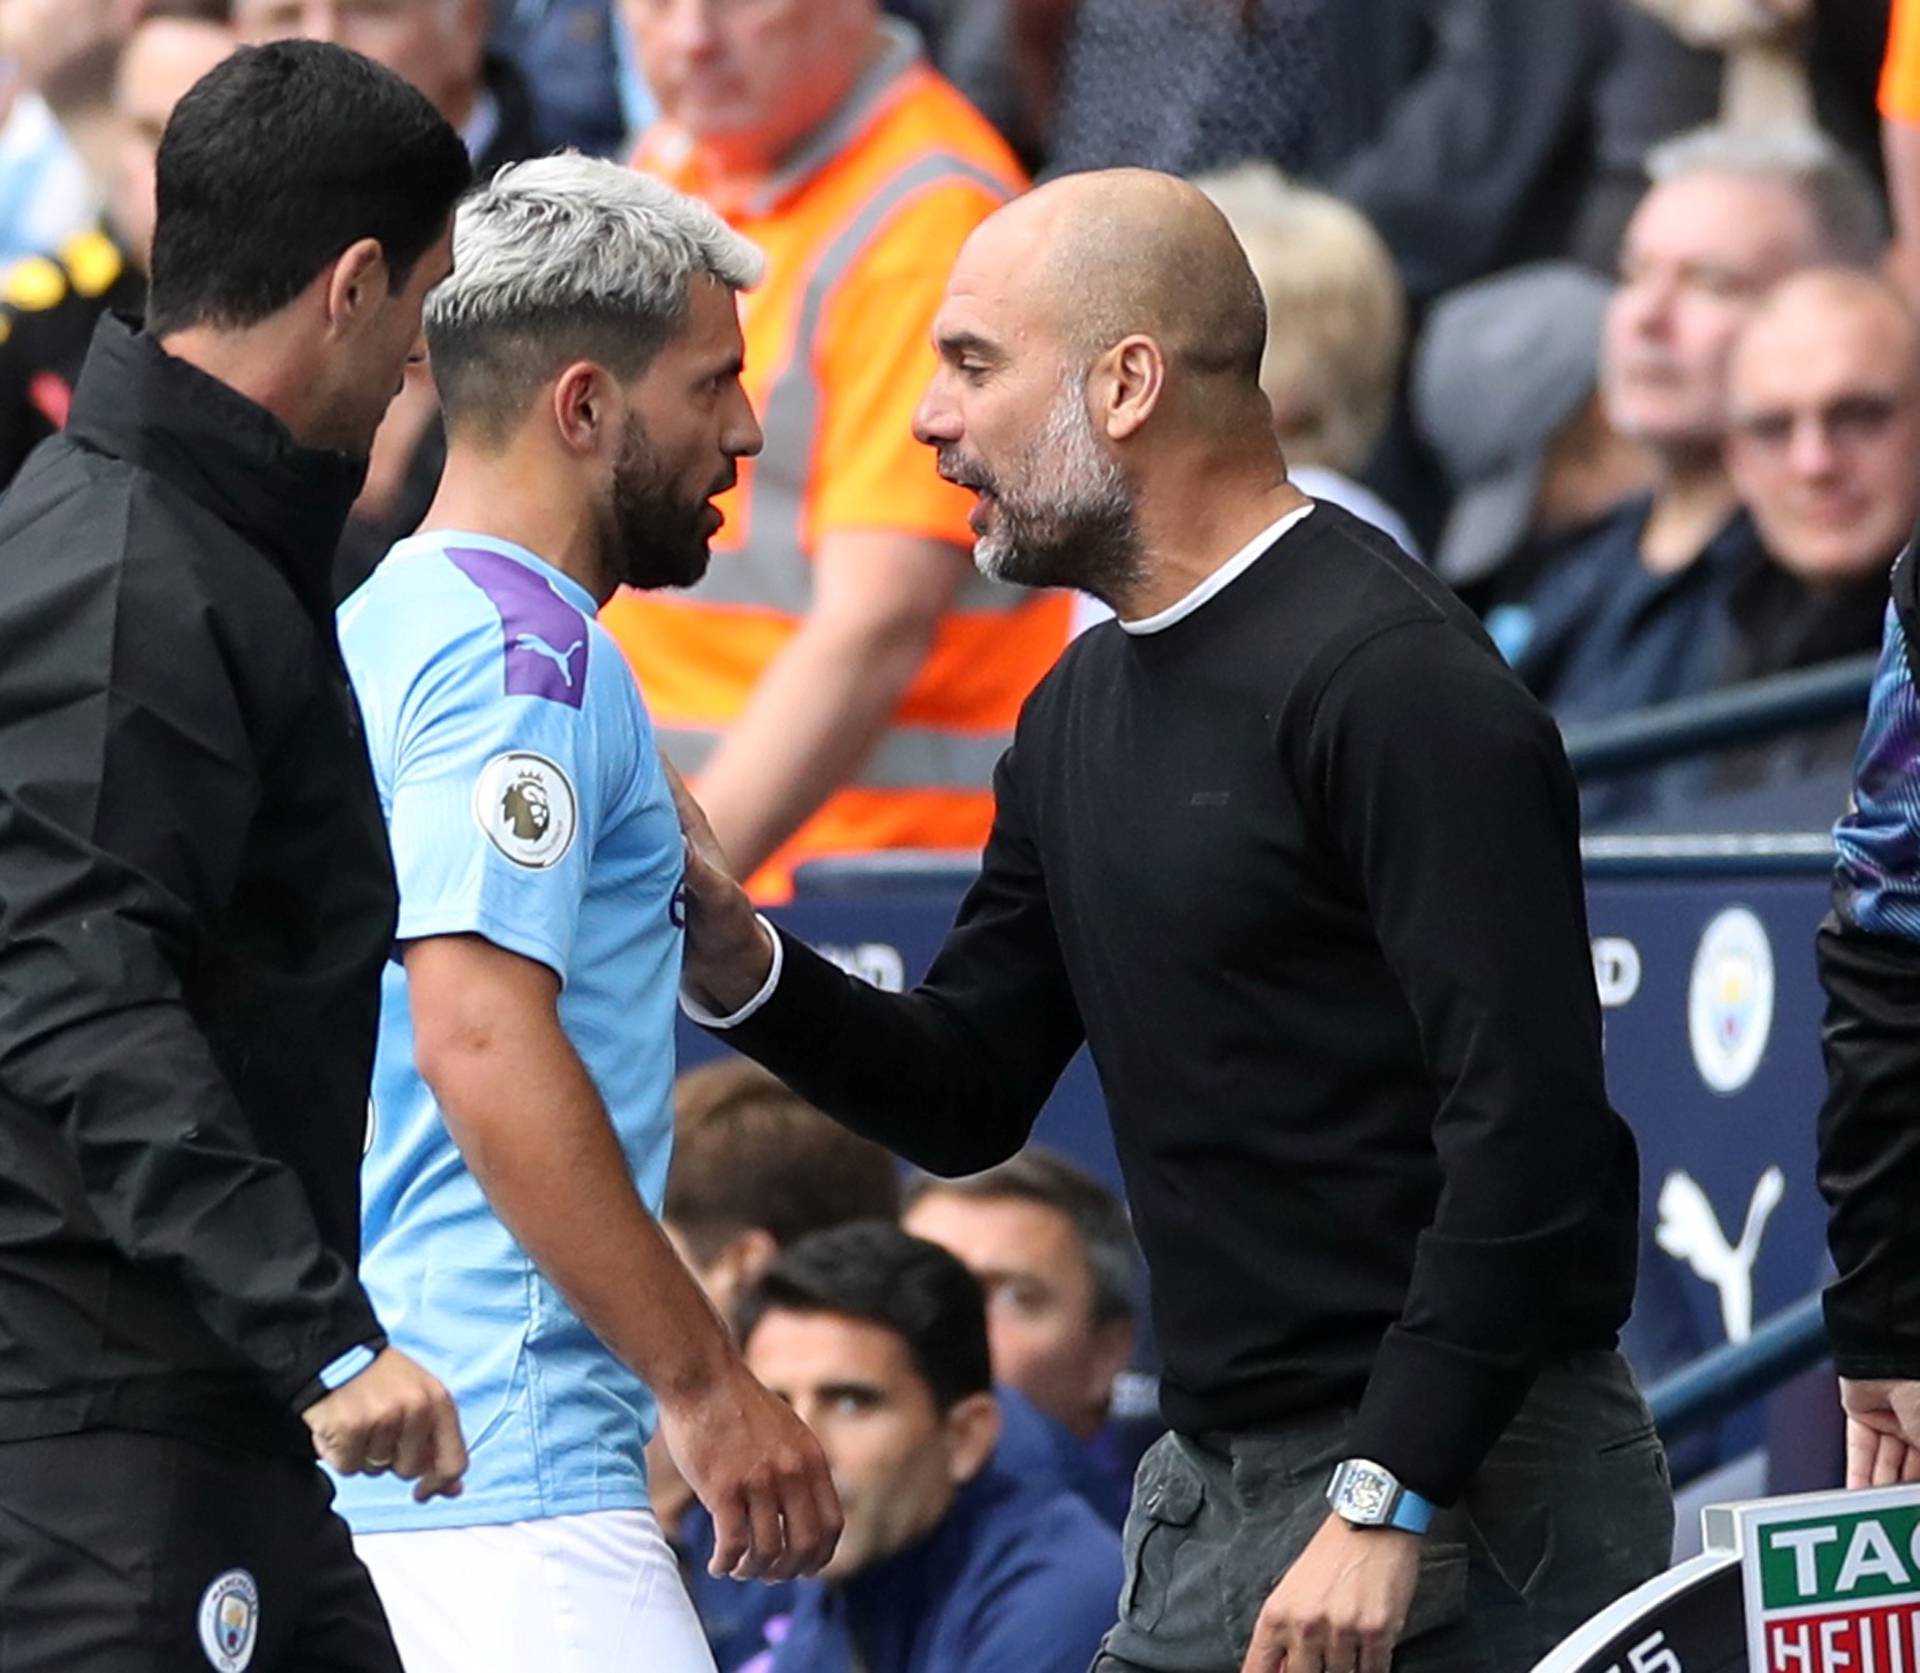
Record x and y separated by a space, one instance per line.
769 569
907 757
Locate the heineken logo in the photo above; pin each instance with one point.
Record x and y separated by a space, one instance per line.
1833 1583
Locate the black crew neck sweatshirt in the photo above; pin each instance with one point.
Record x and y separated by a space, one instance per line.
1303 866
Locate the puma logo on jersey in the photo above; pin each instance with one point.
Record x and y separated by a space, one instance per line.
563 660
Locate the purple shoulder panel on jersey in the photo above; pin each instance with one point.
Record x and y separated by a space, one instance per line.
546 638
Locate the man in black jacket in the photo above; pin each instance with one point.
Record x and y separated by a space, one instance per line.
1295 854
196 904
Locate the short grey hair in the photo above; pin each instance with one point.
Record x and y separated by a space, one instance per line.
1845 206
565 258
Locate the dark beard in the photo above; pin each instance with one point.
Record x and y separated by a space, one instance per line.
657 539
1094 549
1069 519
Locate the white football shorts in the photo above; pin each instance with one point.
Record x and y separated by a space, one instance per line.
593 1593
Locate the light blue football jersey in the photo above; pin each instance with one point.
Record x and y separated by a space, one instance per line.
525 803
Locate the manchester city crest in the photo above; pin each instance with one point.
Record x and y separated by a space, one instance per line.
1730 1000
526 805
230 1620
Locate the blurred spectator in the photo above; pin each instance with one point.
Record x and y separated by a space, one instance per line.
1336 331
1188 85
46 195
1055 1254
1900 117
52 302
1462 128
948 1564
56 90
1786 62
1639 613
569 53
842 680
1506 395
1822 444
1761 44
1002 54
439 46
1824 432
1670 71
754 1168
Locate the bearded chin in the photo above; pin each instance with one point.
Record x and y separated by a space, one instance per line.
992 555
1065 516
654 539
1003 556
1092 546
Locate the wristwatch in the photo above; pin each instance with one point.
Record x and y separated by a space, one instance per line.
1369 1495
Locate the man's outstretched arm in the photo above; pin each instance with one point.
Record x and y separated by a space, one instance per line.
950 1076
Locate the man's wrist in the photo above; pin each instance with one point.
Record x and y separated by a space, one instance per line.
712 1010
1370 1496
337 1373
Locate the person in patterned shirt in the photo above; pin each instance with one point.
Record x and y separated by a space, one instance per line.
1869 1143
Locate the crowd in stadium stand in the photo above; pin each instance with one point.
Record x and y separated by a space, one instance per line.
1603 309
1402 172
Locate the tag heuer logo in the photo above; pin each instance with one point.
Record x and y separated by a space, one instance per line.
526 805
1833 1585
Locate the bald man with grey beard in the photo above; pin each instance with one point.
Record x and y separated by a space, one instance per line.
1292 851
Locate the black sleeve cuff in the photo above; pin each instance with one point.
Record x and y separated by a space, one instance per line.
1432 1413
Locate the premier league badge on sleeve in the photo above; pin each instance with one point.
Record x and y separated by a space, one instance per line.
527 806
230 1620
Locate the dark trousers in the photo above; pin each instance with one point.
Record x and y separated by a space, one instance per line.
1571 1509
123 1552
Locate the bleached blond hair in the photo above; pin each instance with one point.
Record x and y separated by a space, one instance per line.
567 258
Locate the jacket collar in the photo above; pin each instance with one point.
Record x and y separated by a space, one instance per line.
136 402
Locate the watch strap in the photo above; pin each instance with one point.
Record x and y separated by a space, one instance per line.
1406 1510
1411 1513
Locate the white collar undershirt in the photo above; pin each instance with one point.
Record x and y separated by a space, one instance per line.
1220 579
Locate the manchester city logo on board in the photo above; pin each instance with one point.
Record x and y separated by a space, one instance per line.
1730 1000
526 805
230 1620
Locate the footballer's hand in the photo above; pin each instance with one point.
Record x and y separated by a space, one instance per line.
729 952
395 1416
762 1475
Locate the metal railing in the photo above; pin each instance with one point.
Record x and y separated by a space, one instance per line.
1740 714
1709 854
1720 1382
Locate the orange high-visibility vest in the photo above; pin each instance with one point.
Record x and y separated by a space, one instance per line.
1900 75
860 230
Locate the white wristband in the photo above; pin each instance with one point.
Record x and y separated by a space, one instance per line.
707 1019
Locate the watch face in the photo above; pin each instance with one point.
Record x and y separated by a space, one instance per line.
1365 1494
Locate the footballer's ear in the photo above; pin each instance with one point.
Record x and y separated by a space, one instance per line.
587 409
